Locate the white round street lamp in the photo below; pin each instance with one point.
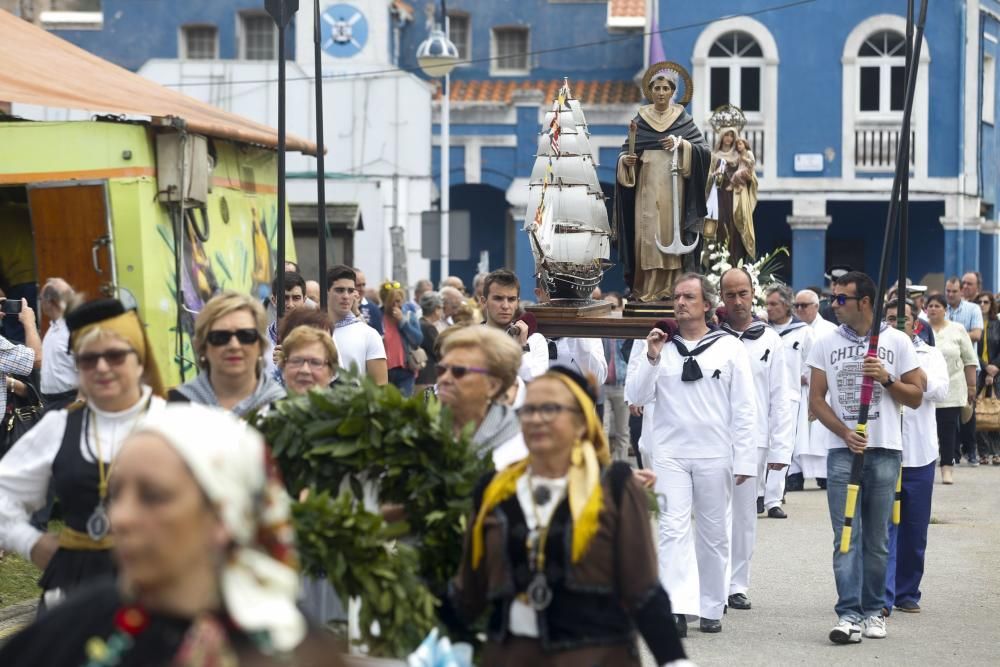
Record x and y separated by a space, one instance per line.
437 56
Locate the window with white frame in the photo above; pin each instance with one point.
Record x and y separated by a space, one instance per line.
510 51
735 62
199 42
882 73
989 89
459 34
259 37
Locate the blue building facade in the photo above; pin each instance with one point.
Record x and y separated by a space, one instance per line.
822 88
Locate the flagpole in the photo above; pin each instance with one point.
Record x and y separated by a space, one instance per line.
321 230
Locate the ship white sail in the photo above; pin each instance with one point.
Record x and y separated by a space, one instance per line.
567 218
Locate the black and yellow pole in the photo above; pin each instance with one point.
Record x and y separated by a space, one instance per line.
902 172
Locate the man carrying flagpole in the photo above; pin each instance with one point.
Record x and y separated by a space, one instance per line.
839 363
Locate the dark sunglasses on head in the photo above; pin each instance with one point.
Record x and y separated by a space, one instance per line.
458 372
221 337
842 299
88 360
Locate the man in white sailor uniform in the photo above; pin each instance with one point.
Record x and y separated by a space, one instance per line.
703 444
773 434
798 339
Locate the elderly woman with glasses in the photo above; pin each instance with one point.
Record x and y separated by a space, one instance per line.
559 546
988 351
478 365
203 536
229 335
75 450
308 359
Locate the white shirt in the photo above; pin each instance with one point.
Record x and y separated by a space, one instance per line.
26 470
58 374
635 358
822 327
775 429
713 417
841 359
535 361
357 344
798 339
584 355
920 441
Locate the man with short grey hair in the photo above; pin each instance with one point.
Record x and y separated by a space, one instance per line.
58 376
452 300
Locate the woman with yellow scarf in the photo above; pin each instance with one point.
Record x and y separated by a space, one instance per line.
560 546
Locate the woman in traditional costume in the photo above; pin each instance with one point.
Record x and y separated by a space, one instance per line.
560 547
644 205
229 336
203 535
75 450
732 193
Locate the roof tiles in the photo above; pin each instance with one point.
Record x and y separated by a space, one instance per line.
501 91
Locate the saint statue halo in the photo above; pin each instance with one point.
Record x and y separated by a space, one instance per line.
673 72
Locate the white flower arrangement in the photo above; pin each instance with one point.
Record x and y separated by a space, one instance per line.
762 272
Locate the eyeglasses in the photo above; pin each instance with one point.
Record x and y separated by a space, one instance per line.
88 360
842 299
344 290
803 306
313 363
545 411
222 337
984 302
458 372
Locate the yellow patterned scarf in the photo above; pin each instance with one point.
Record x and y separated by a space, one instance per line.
586 497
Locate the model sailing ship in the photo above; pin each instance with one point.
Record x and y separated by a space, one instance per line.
567 220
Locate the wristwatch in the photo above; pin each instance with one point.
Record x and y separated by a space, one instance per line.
889 382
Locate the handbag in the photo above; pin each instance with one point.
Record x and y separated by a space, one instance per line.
20 416
416 358
987 411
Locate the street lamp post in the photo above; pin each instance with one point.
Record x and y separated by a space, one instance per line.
437 56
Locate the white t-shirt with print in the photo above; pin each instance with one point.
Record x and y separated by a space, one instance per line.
357 344
841 360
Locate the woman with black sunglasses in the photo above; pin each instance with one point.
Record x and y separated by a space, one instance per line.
75 450
988 351
228 339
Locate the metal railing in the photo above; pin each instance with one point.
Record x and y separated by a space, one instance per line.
875 147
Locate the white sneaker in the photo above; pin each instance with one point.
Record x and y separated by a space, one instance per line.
846 632
875 627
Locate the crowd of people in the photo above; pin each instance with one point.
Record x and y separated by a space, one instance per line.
721 410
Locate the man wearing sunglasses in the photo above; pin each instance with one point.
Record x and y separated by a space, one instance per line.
839 365
360 347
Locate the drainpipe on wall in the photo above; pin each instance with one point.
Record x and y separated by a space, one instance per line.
961 138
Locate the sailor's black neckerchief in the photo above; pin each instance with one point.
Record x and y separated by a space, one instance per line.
794 325
691 371
752 332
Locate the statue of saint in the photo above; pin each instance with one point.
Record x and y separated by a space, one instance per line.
660 188
732 193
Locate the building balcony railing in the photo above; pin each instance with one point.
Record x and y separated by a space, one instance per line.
754 137
875 147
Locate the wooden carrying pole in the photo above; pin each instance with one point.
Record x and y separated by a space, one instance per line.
902 171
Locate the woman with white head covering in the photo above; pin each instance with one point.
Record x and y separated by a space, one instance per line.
207 564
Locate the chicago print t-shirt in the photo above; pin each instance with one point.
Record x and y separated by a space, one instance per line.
840 356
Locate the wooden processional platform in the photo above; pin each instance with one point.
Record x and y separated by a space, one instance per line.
595 319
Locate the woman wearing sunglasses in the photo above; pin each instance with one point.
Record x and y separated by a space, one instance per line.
478 365
560 548
75 450
956 346
988 351
228 340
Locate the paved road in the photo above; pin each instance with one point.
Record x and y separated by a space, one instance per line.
793 592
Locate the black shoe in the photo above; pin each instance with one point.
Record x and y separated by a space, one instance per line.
681 623
777 513
795 482
739 601
760 505
909 606
710 625
821 482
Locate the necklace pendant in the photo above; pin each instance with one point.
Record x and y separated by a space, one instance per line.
541 495
98 525
539 593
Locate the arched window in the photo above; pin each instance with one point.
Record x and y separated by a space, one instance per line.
881 73
735 61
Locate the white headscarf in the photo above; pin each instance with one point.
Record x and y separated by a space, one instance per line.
232 466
